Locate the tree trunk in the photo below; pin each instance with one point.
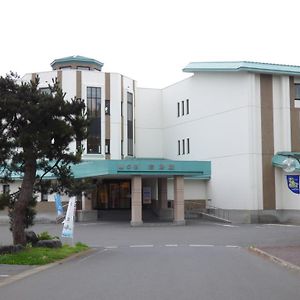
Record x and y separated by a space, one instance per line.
19 212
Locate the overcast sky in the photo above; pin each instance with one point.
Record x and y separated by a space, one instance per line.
149 41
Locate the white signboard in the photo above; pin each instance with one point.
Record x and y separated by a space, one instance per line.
147 195
68 229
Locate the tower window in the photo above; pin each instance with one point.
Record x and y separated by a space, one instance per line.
94 115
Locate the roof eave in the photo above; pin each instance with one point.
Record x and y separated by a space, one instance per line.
251 70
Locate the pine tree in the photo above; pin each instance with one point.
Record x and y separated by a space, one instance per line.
35 132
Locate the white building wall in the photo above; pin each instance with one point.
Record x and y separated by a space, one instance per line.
193 189
69 87
255 145
149 114
115 116
222 107
281 113
285 199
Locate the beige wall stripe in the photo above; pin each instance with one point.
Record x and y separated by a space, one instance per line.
78 84
59 78
267 135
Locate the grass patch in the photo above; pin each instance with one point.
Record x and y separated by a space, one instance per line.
41 256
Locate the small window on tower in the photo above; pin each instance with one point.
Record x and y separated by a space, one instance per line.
107 146
187 106
297 91
107 107
5 189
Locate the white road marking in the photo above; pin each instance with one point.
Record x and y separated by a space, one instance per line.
232 246
4 276
225 225
282 225
171 245
91 255
196 245
141 246
111 247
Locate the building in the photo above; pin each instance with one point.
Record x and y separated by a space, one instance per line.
218 138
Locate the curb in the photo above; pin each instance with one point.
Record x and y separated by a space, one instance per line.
275 259
38 269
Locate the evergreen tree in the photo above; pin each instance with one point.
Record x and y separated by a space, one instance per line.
35 132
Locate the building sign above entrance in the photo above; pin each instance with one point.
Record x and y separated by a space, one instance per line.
149 167
163 167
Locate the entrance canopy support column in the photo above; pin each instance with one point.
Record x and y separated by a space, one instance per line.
136 201
179 200
163 193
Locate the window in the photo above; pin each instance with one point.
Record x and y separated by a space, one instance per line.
183 146
178 109
107 107
44 196
130 123
5 189
188 145
82 68
178 152
94 116
297 91
78 145
45 90
187 106
107 146
182 108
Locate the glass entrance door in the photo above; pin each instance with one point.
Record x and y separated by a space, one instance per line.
114 194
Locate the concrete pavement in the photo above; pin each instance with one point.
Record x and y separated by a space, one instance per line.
199 261
161 272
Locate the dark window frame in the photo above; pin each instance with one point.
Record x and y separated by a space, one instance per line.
94 115
107 107
130 124
187 106
297 91
5 188
107 146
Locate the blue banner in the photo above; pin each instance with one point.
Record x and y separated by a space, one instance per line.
58 205
293 183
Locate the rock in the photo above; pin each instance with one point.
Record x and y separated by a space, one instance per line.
10 249
49 243
31 237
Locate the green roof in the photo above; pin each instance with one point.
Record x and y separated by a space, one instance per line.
238 66
280 157
144 167
77 59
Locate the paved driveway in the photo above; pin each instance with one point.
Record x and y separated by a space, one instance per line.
198 261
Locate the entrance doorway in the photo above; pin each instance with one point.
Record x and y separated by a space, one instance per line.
114 194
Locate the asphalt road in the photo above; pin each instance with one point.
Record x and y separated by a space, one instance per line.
104 234
198 261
